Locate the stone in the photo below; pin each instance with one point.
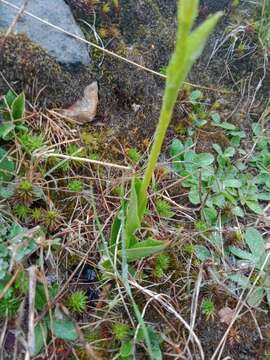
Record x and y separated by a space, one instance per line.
84 110
64 48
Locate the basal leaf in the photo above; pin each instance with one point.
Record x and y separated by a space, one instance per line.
256 297
242 254
5 129
202 253
115 231
64 329
177 148
133 222
145 248
9 98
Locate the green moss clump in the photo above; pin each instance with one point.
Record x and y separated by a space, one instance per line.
27 67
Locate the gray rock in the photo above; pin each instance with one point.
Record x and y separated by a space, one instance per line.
65 49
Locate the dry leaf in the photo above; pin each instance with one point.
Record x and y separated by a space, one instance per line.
226 315
84 110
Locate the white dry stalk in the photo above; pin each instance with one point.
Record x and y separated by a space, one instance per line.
160 298
31 316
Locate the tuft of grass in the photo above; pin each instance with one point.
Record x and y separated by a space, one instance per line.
75 186
120 331
164 208
208 309
77 302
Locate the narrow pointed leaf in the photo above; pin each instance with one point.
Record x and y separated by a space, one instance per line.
145 248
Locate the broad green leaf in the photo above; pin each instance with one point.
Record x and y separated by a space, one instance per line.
255 207
177 148
210 215
204 159
237 211
232 183
194 197
265 196
5 129
10 97
242 254
18 107
229 152
241 280
216 118
64 329
217 148
255 243
41 333
145 248
7 191
226 126
196 95
202 252
7 166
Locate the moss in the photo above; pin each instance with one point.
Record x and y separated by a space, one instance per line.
27 67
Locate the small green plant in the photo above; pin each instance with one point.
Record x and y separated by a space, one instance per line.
134 155
164 208
162 263
77 302
37 215
24 191
121 331
256 258
75 186
52 219
12 110
22 212
208 309
31 142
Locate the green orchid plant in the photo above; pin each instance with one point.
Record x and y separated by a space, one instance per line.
189 46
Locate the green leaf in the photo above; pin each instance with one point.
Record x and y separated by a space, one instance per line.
216 118
145 248
241 280
210 215
218 149
242 254
232 183
10 97
155 340
226 126
41 333
177 148
7 166
133 220
126 349
229 152
194 197
202 252
199 37
115 231
255 243
255 207
204 159
237 211
18 107
7 191
256 297
5 129
265 196
64 329
196 95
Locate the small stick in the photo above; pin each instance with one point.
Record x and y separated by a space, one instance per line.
31 317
